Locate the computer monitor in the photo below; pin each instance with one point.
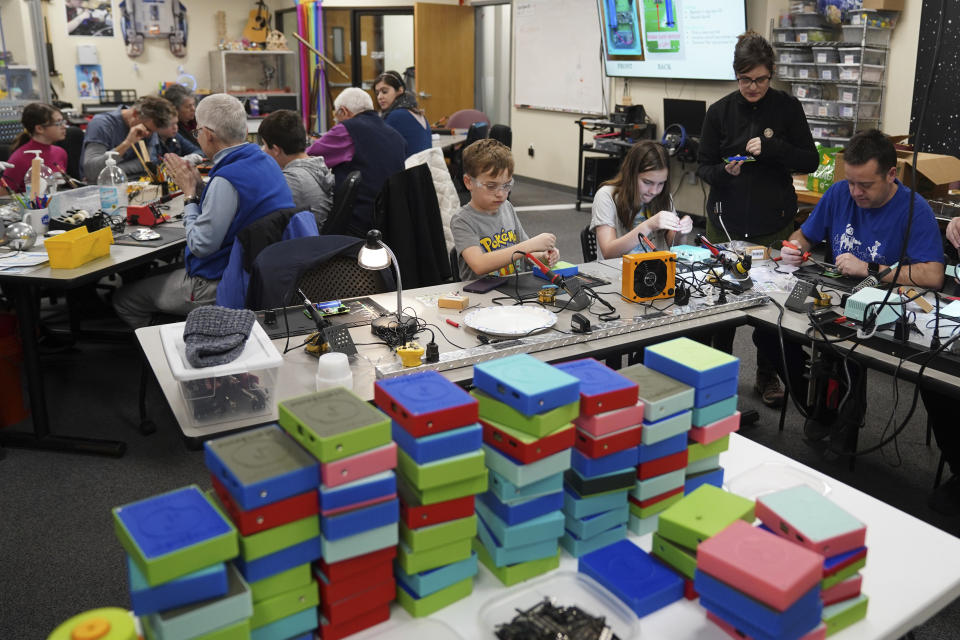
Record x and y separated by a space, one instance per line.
688 113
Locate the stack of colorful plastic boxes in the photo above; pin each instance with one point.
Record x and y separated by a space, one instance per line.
604 459
359 513
755 584
699 515
526 408
267 485
806 518
178 545
441 467
713 375
662 454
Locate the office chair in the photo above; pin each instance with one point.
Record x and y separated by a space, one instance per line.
502 133
340 277
338 222
466 117
588 244
72 144
454 265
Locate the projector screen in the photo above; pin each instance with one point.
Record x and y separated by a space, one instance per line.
670 38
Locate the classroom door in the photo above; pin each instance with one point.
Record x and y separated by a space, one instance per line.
444 59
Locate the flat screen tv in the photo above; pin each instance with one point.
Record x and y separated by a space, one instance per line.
691 39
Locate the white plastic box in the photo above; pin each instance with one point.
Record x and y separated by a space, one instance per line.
825 55
87 198
813 34
798 71
865 111
812 19
828 72
852 55
869 35
808 91
785 34
794 56
851 72
809 106
240 389
850 93
826 109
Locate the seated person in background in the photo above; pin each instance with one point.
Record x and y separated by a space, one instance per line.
244 186
360 141
118 131
637 201
864 219
399 110
169 140
940 408
186 105
43 125
284 138
486 230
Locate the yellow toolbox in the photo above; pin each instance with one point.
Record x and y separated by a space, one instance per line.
77 246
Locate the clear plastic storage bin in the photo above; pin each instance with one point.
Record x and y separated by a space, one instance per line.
808 91
853 93
87 198
826 109
809 106
868 35
828 72
852 55
852 72
830 129
794 56
784 34
813 34
825 55
812 19
238 389
865 110
798 71
874 18
563 588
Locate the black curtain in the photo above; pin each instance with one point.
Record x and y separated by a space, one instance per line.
941 122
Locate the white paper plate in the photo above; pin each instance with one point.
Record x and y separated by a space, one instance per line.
510 321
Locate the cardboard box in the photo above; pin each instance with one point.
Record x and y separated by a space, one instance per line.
935 172
887 5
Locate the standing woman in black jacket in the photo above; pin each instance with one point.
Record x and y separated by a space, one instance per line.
754 199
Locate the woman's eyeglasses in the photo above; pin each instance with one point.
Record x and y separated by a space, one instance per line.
753 82
56 123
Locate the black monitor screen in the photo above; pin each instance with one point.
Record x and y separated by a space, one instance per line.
688 113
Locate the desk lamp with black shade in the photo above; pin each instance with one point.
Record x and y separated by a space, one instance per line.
375 255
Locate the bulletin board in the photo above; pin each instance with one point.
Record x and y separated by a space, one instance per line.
557 62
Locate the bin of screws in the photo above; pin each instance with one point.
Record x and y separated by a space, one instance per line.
561 605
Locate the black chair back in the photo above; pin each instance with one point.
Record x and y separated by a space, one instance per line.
477 131
338 222
340 277
588 244
502 134
454 265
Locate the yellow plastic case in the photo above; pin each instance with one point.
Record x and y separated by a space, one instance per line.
76 247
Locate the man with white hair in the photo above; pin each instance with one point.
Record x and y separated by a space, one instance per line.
245 185
361 141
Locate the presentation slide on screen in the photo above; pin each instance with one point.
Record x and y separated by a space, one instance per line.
670 38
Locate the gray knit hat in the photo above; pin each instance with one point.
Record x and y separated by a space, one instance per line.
216 335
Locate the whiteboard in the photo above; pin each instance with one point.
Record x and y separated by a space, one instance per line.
557 63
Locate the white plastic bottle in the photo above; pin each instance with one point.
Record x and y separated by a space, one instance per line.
46 184
113 186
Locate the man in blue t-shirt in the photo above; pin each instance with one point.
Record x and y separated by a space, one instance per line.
864 219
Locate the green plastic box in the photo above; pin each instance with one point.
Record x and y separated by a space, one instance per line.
701 514
537 425
334 423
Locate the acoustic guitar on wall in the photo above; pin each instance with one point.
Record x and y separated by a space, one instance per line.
258 25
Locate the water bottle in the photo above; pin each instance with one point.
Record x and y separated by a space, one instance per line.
113 186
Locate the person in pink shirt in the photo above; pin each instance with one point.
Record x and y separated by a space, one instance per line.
43 125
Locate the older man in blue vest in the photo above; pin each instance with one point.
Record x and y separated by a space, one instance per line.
361 141
245 185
